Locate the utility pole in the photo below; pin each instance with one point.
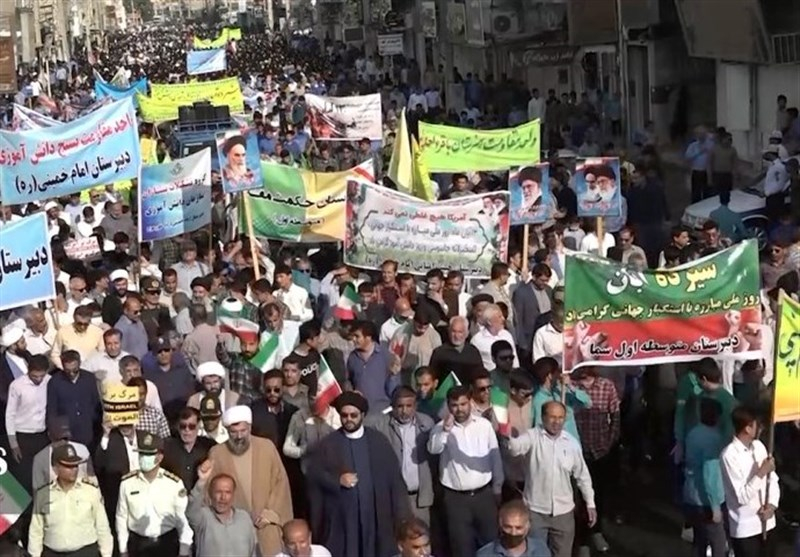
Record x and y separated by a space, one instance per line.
270 16
622 59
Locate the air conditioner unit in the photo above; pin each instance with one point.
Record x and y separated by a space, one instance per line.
505 24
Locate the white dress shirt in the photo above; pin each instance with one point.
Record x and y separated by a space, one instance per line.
547 341
40 344
552 463
316 551
152 508
388 329
470 455
104 367
483 341
27 407
745 492
590 244
296 299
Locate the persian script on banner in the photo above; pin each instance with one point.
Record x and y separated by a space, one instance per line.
787 362
165 99
120 404
345 117
103 89
100 148
615 315
175 197
26 265
467 234
454 149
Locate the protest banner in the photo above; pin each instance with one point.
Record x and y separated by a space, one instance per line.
615 315
120 404
82 249
175 197
103 89
529 190
164 99
26 268
227 34
454 149
26 119
345 118
302 206
787 362
239 160
99 148
206 61
597 187
467 234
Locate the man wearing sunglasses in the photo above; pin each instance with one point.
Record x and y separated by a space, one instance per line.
184 454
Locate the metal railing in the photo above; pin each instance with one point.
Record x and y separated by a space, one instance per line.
786 48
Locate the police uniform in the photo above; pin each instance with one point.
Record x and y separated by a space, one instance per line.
211 408
151 515
69 522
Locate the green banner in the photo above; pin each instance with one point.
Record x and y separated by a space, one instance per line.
454 149
615 315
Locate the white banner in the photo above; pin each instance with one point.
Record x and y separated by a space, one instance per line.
206 61
345 118
27 119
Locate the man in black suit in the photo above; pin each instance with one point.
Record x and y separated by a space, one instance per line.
532 301
112 460
184 454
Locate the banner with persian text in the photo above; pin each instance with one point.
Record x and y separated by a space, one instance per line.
467 234
175 197
26 268
454 149
302 206
787 361
345 118
206 61
100 148
227 34
26 119
165 98
615 315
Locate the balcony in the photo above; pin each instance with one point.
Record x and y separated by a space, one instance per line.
786 48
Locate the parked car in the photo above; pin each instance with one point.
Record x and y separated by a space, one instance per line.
750 202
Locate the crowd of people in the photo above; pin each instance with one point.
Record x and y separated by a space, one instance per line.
228 458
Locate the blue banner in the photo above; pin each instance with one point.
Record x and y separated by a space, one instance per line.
98 149
205 61
26 268
103 89
175 197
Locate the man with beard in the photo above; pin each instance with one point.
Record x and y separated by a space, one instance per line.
112 305
14 362
262 487
211 375
407 432
356 487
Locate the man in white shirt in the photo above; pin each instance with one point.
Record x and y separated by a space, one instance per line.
25 418
105 365
39 335
536 106
294 297
549 340
751 487
470 471
297 541
554 459
492 329
417 97
402 313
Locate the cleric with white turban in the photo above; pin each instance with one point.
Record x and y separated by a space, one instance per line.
211 375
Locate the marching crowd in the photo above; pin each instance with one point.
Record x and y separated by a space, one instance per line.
228 458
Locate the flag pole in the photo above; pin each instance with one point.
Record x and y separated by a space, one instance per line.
771 425
525 245
251 235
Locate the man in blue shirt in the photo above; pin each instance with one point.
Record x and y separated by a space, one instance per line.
72 395
703 491
729 222
515 535
697 158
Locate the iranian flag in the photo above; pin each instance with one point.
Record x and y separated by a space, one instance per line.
268 355
13 500
328 387
229 317
499 400
348 302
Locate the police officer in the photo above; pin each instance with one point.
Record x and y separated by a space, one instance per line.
69 519
151 513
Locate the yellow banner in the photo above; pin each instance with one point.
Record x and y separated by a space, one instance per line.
228 34
165 99
787 362
121 404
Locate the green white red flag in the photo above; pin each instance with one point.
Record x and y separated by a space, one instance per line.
328 387
499 401
348 303
13 500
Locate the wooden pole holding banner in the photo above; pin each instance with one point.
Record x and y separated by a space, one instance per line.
771 430
601 236
251 235
525 245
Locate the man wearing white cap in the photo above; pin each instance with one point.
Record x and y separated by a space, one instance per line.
54 219
262 487
211 375
14 362
112 305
